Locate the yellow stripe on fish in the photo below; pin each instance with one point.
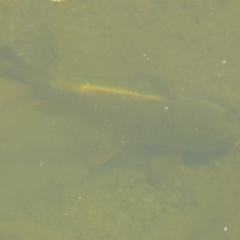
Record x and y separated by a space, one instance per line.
93 89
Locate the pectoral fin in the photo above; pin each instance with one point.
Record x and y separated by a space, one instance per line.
107 150
165 169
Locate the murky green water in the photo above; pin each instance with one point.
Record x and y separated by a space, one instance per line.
181 49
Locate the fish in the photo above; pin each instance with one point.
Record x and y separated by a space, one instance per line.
125 114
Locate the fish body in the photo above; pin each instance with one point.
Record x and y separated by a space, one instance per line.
134 117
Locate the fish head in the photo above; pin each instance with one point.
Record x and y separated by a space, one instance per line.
221 133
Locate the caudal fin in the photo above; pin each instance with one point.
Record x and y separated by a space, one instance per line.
13 67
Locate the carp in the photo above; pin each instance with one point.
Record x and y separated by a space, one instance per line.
133 114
